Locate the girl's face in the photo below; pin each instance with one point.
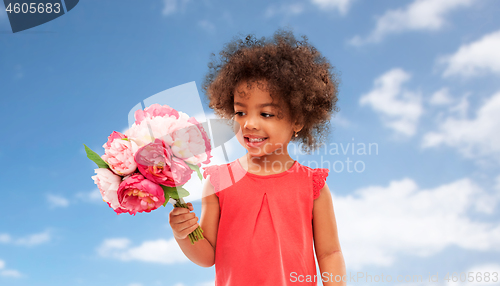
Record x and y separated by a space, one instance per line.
260 130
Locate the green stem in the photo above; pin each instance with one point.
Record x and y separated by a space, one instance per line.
197 233
191 239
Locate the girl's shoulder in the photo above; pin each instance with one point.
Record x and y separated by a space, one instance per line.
210 170
213 172
317 176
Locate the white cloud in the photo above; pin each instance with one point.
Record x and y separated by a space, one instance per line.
497 185
474 138
172 6
228 17
34 239
424 15
341 121
285 9
441 97
30 240
18 71
400 109
341 5
4 238
56 201
207 26
461 107
378 223
93 196
474 58
155 251
8 272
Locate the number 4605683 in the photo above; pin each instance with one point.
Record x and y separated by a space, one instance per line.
34 8
472 277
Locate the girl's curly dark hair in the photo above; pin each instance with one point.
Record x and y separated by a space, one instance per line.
303 79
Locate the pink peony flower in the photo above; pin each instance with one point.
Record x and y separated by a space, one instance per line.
180 171
108 184
185 136
155 110
119 210
113 136
156 162
208 147
119 154
138 194
150 128
187 141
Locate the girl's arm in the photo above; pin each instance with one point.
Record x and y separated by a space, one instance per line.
202 252
326 240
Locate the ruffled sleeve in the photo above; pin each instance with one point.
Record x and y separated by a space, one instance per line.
213 171
318 177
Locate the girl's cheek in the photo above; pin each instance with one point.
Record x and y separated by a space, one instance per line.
239 134
236 128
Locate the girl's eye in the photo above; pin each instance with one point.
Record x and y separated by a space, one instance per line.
241 113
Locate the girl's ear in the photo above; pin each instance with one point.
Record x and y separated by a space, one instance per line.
297 127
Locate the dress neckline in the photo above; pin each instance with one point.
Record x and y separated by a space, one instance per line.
290 170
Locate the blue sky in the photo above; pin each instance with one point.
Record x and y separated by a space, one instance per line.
419 80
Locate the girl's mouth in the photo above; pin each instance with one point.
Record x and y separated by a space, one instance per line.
254 142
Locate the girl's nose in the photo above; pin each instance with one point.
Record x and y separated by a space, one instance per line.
251 123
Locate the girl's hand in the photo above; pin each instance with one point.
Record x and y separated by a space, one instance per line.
183 221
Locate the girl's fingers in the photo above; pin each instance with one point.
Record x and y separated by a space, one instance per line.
187 224
180 218
188 230
185 232
190 206
176 219
179 210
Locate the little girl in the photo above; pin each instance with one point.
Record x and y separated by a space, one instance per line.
262 213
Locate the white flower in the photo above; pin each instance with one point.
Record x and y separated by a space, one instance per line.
183 137
108 184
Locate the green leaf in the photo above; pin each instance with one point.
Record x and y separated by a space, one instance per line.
174 193
166 199
96 158
126 139
165 192
197 169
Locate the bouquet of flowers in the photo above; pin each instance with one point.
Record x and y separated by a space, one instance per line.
148 165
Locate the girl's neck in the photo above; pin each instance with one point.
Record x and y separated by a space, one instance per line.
266 165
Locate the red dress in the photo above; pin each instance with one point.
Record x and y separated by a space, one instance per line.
265 234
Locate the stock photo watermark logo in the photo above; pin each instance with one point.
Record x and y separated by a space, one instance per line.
335 156
24 15
328 155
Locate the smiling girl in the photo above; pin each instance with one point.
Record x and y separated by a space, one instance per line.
265 216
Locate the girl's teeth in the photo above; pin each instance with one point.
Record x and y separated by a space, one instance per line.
256 140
